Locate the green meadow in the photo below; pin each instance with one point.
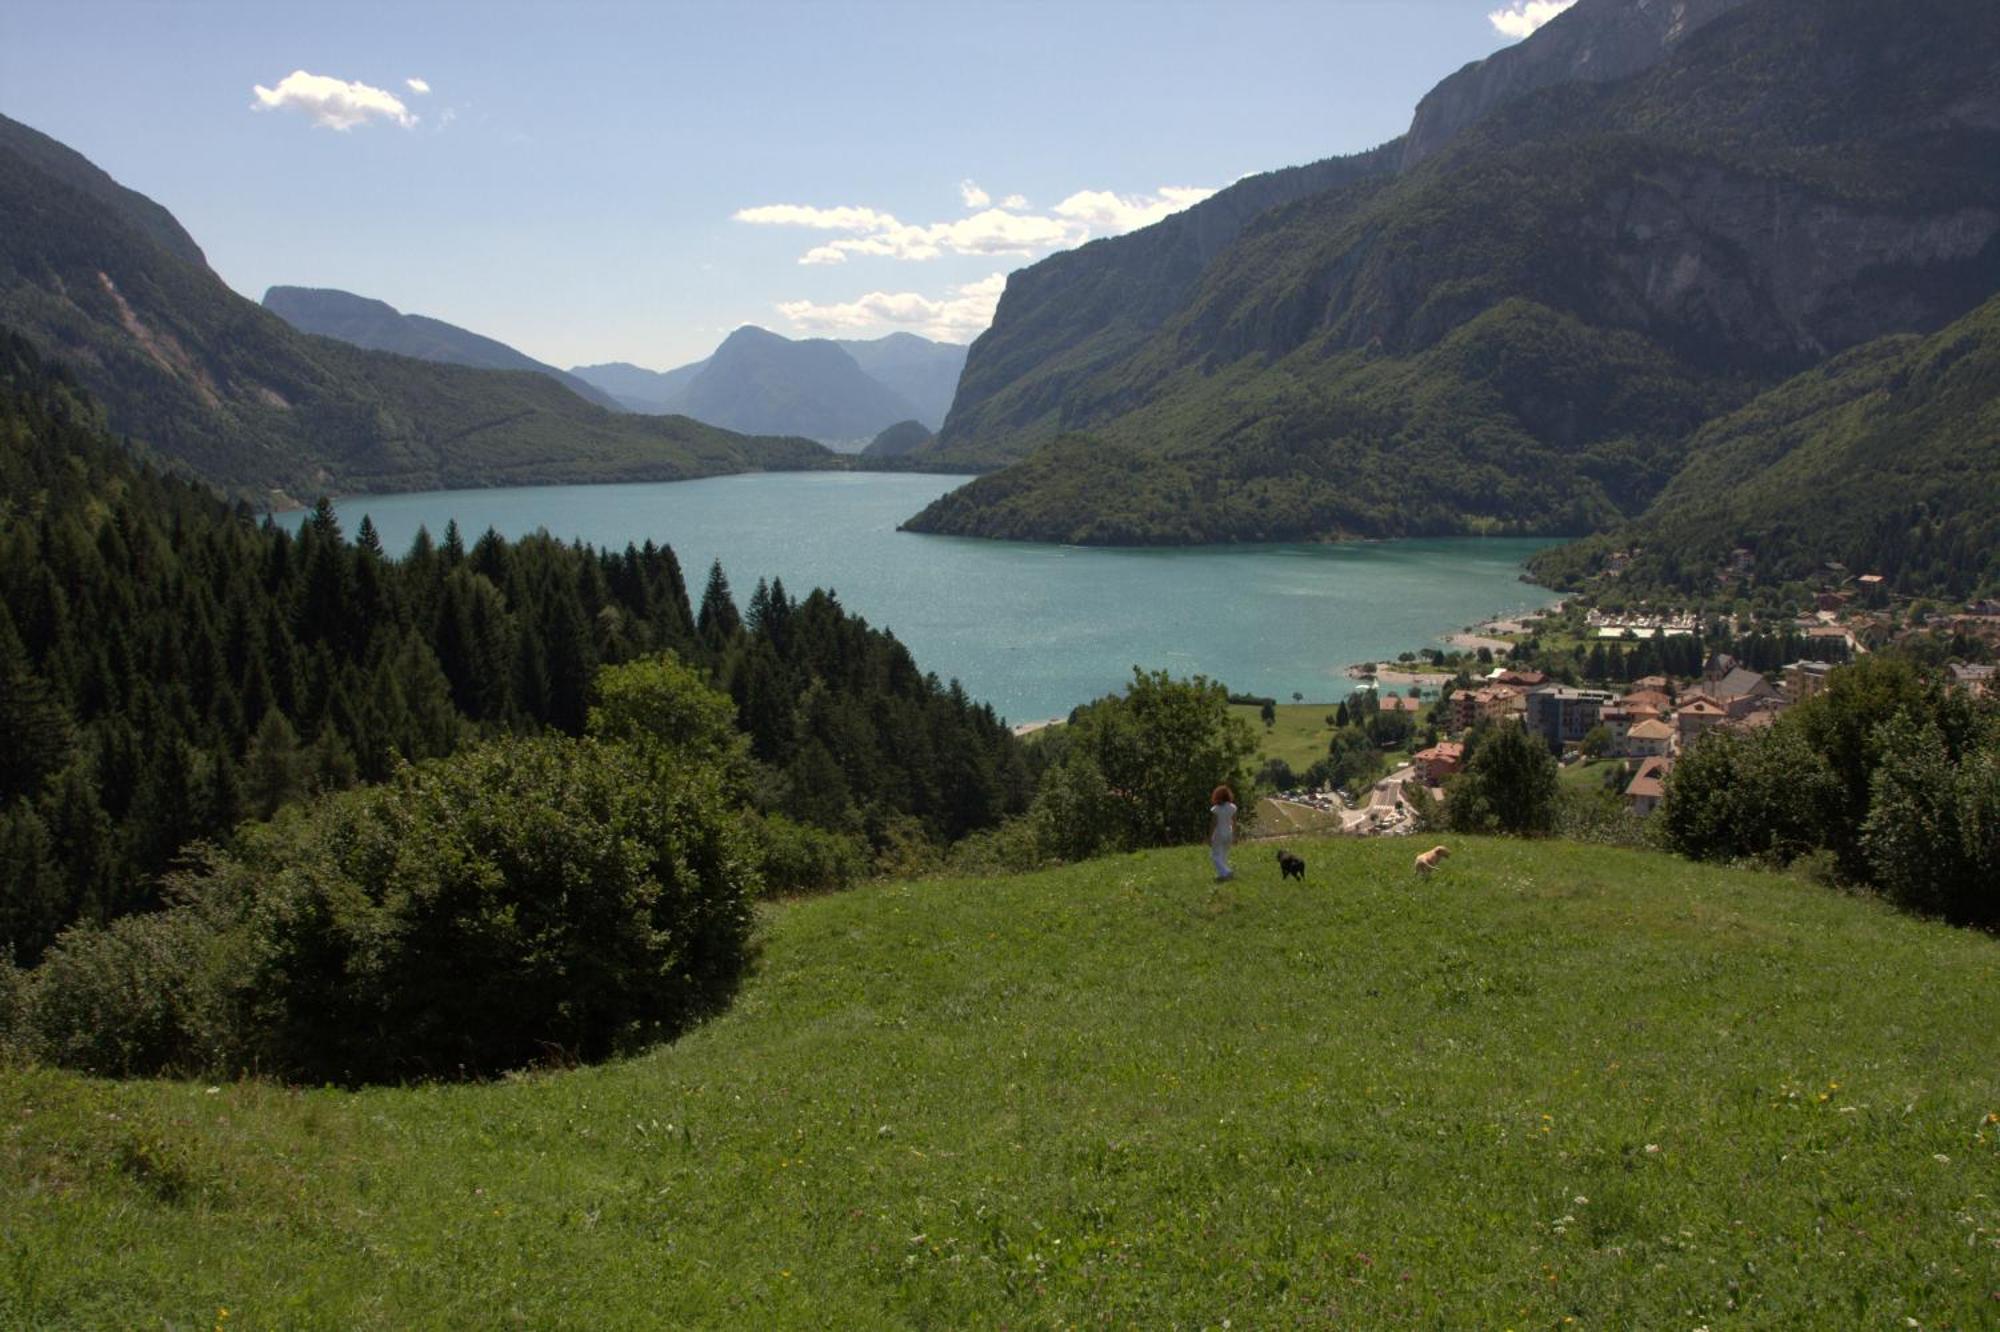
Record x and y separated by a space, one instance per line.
1553 1086
1299 735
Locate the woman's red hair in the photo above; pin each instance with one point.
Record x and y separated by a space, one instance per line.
1222 795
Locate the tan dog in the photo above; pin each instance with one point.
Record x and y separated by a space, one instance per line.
1428 861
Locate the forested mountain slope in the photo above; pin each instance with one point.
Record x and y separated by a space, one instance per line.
1886 459
379 326
104 280
1519 332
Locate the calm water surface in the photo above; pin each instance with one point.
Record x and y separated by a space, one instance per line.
1034 630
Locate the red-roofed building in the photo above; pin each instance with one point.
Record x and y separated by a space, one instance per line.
1647 788
1440 761
1696 718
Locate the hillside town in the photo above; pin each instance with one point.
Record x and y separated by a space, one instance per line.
1631 731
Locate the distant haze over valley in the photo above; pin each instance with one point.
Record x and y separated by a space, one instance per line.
841 393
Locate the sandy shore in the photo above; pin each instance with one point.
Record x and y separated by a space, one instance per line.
1474 642
1390 678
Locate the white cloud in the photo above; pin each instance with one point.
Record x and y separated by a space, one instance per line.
962 314
1008 229
1109 213
1521 17
333 103
822 219
417 86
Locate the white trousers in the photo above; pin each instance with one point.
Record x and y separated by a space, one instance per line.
1218 851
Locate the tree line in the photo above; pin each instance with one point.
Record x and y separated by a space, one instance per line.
171 666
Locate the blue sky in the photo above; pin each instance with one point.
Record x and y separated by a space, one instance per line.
594 182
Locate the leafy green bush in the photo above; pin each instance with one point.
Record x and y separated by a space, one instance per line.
13 1011
1015 847
1932 836
140 996
1159 749
521 899
1769 797
797 858
1509 785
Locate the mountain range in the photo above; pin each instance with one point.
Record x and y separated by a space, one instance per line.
1517 317
838 392
379 326
105 281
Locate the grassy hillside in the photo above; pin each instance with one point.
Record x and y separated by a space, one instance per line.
1554 1083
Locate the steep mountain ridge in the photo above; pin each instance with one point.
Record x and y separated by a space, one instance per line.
379 326
108 284
1594 41
1791 179
1073 314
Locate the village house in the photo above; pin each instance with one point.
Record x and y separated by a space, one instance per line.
1695 719
1642 703
1649 739
1618 720
1751 722
1440 761
1974 678
1646 789
1492 703
1520 679
1803 679
1741 692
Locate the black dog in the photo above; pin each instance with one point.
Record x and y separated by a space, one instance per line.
1290 866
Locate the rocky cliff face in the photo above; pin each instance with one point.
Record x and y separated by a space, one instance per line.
1099 302
1761 266
1596 41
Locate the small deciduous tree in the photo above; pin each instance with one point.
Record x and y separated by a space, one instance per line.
1508 786
1160 748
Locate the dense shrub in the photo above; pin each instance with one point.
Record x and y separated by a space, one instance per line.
1769 797
476 913
1509 785
1015 847
1886 779
1158 750
13 1011
143 995
795 857
1932 835
1601 817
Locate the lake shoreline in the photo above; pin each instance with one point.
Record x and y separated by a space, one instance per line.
1032 630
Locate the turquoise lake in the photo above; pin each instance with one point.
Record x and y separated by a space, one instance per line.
1033 630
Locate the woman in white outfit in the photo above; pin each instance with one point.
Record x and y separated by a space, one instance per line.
1222 812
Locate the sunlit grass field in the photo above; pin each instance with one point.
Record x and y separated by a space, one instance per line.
1552 1083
